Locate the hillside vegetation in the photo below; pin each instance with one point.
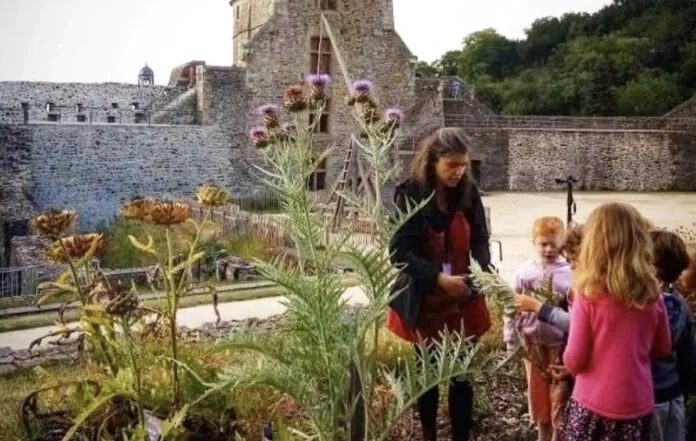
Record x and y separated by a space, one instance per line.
631 58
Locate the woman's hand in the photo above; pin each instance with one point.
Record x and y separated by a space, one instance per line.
453 285
526 303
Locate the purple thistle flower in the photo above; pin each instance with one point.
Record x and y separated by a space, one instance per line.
318 81
394 115
270 110
363 87
258 133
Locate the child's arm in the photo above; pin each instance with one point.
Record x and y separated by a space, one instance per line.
662 343
556 316
577 354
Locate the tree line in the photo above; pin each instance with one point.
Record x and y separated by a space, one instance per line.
631 58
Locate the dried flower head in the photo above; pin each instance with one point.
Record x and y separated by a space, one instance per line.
54 224
394 116
259 137
270 114
293 99
118 301
137 208
75 247
170 213
212 195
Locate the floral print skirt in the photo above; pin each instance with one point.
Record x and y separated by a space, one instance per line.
581 424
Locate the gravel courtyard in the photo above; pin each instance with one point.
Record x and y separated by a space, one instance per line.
512 215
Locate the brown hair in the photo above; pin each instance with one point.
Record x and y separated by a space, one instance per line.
671 257
616 257
571 242
687 281
440 143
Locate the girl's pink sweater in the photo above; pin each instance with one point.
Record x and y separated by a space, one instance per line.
610 349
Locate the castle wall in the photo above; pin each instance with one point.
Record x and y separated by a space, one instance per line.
600 160
97 99
92 169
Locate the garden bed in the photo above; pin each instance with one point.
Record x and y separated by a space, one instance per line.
500 400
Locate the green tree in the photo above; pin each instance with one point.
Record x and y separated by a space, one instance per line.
488 53
424 69
649 95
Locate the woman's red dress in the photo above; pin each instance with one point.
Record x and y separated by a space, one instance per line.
441 311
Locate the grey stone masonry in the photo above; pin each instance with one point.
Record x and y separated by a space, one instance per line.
49 102
93 169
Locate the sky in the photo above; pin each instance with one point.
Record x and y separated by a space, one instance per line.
109 41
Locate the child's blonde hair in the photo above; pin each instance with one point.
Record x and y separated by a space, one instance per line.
616 256
547 226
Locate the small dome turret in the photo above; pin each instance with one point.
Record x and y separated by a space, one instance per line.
146 76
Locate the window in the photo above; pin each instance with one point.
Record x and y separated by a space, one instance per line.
317 180
323 124
236 13
81 118
320 56
111 119
327 5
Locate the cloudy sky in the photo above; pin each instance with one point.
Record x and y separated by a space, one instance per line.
108 40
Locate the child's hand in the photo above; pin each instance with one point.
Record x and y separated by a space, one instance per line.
559 372
526 303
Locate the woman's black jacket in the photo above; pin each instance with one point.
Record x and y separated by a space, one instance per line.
407 247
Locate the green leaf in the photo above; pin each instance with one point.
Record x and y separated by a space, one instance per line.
193 259
146 248
45 299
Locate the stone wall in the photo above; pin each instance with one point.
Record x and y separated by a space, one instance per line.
94 168
249 18
15 170
601 160
97 100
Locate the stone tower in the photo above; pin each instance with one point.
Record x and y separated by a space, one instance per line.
278 42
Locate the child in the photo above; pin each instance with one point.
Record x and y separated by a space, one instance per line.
619 324
547 234
672 375
556 316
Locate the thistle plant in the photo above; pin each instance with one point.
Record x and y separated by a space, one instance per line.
111 315
323 360
168 214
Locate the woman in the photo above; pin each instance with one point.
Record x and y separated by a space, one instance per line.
433 248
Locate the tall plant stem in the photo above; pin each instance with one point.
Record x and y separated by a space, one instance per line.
136 370
174 303
83 299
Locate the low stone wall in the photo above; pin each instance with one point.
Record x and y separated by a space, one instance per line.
14 360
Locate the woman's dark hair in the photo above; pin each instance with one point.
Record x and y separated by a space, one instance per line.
439 143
